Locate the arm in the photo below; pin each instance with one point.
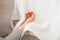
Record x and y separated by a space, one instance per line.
16 34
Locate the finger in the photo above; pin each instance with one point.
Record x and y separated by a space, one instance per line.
30 14
33 15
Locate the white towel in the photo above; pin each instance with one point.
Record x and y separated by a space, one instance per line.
47 22
20 14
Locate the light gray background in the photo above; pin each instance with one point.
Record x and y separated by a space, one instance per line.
6 7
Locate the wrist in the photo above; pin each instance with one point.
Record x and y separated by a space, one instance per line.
22 26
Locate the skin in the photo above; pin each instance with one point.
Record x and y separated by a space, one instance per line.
30 17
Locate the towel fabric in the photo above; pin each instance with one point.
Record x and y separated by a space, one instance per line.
47 22
14 35
1 38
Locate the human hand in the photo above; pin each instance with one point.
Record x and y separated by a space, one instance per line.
30 17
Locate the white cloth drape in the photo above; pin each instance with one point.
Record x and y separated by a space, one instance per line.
47 23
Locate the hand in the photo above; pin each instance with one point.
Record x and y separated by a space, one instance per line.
30 17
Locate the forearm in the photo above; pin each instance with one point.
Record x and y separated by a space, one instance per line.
22 26
15 35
